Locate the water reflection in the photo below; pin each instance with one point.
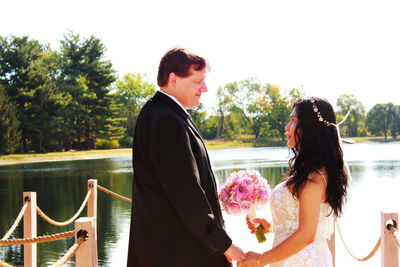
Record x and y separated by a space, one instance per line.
272 174
62 186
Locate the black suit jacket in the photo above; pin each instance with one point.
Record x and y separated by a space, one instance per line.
176 217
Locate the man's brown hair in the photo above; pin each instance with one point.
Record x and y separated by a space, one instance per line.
178 61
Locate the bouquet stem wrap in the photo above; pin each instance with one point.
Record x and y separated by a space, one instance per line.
260 230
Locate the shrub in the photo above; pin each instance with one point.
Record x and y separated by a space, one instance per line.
126 142
106 143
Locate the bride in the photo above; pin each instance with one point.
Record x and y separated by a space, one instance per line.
304 205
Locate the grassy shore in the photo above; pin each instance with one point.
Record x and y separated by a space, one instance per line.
376 139
126 152
64 156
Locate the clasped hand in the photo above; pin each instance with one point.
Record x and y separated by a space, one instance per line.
243 260
252 259
234 253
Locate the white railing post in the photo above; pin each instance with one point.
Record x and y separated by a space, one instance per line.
30 229
389 250
86 255
331 244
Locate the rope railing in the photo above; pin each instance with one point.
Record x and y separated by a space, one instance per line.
16 222
63 260
45 217
30 240
370 255
114 194
39 239
395 233
70 253
5 264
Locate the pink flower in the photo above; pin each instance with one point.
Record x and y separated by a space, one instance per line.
244 190
235 198
265 193
234 208
224 194
254 196
235 178
246 181
245 206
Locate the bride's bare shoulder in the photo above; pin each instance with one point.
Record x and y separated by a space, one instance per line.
320 177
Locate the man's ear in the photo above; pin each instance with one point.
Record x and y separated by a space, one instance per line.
172 79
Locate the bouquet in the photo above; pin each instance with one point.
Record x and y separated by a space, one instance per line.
242 192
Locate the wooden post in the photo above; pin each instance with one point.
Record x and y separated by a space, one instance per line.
92 204
92 201
86 255
389 250
30 229
331 245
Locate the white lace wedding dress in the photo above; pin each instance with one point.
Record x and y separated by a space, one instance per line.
285 221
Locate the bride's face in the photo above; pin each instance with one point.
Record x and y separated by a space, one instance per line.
290 129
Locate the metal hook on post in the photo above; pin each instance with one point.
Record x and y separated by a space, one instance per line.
391 225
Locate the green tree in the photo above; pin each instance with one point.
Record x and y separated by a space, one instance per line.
225 102
198 115
262 109
10 134
355 122
378 119
266 107
253 101
395 125
46 102
295 94
245 100
17 56
132 91
86 78
280 108
206 124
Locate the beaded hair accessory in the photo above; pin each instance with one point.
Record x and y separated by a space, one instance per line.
321 119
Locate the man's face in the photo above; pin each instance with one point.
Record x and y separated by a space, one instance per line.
188 90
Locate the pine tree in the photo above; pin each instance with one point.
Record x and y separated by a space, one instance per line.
85 79
10 135
17 54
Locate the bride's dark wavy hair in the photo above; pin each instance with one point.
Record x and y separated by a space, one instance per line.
317 146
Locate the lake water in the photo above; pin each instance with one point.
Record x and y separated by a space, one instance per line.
61 188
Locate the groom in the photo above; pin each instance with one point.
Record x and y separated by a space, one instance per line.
176 217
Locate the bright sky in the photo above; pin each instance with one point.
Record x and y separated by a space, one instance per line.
328 47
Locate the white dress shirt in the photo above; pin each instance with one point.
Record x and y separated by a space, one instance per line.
173 98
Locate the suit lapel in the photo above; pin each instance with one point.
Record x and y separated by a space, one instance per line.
194 127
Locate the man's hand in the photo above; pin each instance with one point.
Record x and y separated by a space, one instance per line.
234 253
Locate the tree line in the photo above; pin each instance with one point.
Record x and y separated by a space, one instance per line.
72 99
